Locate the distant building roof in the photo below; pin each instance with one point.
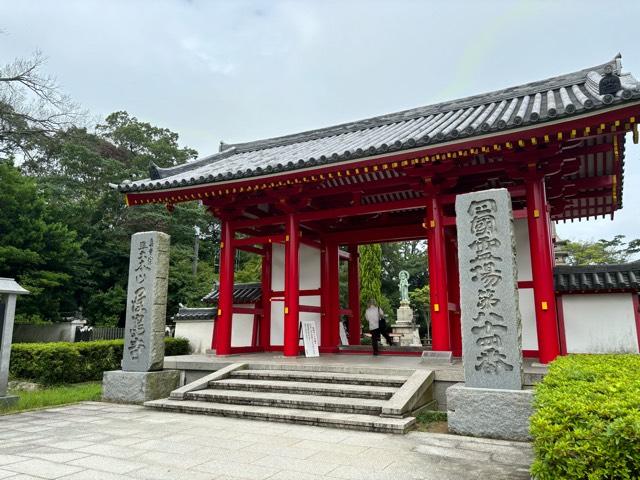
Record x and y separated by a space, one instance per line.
186 313
242 293
597 278
560 97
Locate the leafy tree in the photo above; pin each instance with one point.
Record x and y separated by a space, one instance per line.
370 280
74 170
43 254
420 299
616 250
397 256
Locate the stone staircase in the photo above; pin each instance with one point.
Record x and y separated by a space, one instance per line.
357 398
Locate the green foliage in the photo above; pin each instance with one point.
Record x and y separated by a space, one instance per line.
71 232
586 423
63 362
57 395
183 286
427 417
41 253
370 277
616 250
420 298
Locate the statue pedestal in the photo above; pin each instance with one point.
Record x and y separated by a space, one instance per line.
404 327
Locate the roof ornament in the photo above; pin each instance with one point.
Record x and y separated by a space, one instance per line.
609 83
154 172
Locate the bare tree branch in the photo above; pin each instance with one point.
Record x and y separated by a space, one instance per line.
32 105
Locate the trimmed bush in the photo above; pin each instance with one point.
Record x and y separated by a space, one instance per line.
62 362
586 423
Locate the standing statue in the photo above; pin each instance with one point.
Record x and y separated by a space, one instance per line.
404 287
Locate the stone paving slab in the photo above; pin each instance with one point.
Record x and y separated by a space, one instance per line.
121 442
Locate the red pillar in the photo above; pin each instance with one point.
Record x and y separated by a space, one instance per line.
265 321
540 244
329 333
291 287
354 296
324 296
453 280
437 275
222 333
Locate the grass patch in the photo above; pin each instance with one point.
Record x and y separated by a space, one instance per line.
432 421
51 396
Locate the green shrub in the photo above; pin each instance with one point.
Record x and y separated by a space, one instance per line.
586 423
62 362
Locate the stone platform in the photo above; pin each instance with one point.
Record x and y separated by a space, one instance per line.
94 440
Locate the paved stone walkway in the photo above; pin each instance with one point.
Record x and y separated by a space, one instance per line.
93 440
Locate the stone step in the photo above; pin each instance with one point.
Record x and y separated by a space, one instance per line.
290 415
321 377
289 400
386 348
315 388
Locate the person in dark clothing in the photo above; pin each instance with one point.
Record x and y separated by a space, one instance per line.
377 325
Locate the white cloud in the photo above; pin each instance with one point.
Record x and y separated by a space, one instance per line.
244 70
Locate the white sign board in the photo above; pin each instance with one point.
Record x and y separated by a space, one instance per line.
343 335
310 338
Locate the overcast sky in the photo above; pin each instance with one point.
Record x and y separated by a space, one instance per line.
239 71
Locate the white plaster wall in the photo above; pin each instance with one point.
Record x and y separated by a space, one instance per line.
523 254
198 332
600 323
309 280
242 327
528 316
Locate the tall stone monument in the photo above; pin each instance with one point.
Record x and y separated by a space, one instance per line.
9 290
491 402
142 377
405 327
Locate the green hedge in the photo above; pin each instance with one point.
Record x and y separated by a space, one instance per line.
586 423
62 362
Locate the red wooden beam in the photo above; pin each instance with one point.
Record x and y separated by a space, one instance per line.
303 293
258 240
310 308
378 234
248 310
256 250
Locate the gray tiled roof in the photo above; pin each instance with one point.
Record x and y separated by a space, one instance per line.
595 278
242 293
530 104
186 313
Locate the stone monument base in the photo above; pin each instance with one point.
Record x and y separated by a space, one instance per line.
8 401
404 328
138 387
487 412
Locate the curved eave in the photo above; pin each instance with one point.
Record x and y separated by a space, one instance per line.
625 116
